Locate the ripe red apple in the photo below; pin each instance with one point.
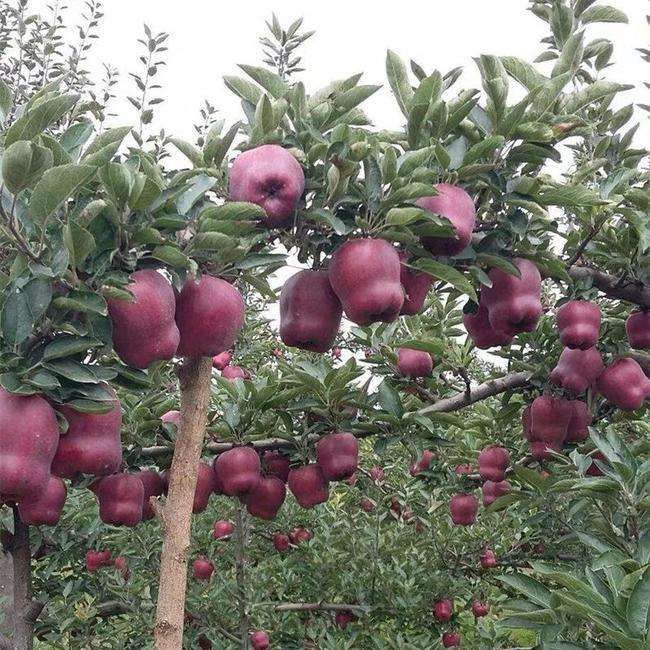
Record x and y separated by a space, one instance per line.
308 485
514 303
44 509
120 498
488 559
154 486
260 640
276 464
299 535
577 369
365 275
220 361
222 529
281 542
463 508
578 322
549 424
455 204
122 565
144 329
234 372
336 352
310 312
209 316
593 469
171 417
624 384
637 327
416 286
29 435
337 455
239 470
205 486
92 443
443 610
97 559
202 568
463 470
367 505
493 462
481 331
414 363
578 429
493 490
377 474
343 618
270 177
423 463
451 640
480 609
266 499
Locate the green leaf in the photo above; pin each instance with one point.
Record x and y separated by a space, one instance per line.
105 139
409 193
83 301
389 399
399 81
171 255
242 88
189 151
483 149
216 149
603 14
571 57
56 186
36 120
22 309
495 261
404 216
5 101
353 97
68 346
523 72
574 196
270 81
592 93
321 215
529 587
638 607
23 163
77 372
198 186
235 211
435 347
79 242
448 274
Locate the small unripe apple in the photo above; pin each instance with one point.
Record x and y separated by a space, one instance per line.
222 529
451 640
493 462
281 542
443 610
97 559
260 640
480 609
463 508
488 559
202 568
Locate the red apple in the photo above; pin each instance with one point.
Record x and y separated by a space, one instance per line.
549 424
414 363
97 559
481 331
266 499
281 542
464 470
343 618
416 286
154 486
367 505
337 455
493 490
202 568
144 329
578 429
222 529
231 373
299 534
480 609
239 470
260 640
272 178
456 205
423 463
336 353
624 384
221 360
488 559
443 610
451 640
637 328
120 497
276 464
493 462
365 275
377 474
171 417
463 508
122 565
44 509
205 485
577 369
578 322
308 485
593 469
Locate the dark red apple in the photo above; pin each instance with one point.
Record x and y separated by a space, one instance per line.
464 470
456 205
231 373
488 559
514 303
637 327
44 509
281 542
343 618
365 275
205 486
308 485
377 474
480 330
416 286
299 535
367 505
171 417
463 508
209 316
443 610
120 498
593 469
337 455
451 640
202 568
222 529
277 464
493 462
29 435
480 609
577 369
549 423
493 490
92 443
122 565
97 559
270 177
266 499
310 312
260 640
578 429
624 384
423 463
578 322
220 361
239 470
144 329
414 363
154 486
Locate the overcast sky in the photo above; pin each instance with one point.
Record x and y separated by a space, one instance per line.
209 38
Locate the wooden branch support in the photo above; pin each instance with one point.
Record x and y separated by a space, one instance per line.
195 377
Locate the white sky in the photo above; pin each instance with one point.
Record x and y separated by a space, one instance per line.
209 38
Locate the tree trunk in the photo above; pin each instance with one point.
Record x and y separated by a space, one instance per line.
240 570
176 515
23 638
7 598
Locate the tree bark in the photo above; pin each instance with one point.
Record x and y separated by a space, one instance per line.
240 571
634 292
176 514
23 636
319 607
6 595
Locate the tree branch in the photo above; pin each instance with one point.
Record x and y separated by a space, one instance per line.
643 359
634 292
316 607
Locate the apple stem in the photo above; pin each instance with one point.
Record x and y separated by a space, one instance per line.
194 379
240 569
